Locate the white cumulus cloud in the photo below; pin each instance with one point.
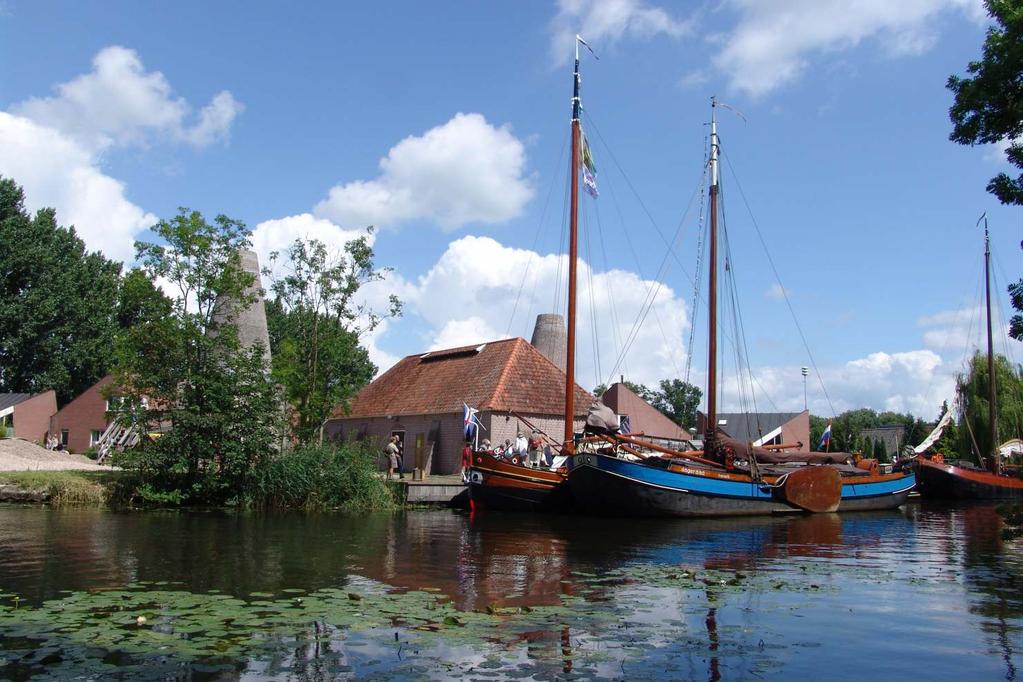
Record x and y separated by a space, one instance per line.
120 103
53 146
463 171
915 381
464 332
475 293
56 171
602 22
773 43
279 234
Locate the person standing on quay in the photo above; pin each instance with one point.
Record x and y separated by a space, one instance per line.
393 461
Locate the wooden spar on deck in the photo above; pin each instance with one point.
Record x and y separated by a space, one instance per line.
533 427
660 448
573 251
710 429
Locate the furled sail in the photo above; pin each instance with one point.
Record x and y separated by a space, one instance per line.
934 435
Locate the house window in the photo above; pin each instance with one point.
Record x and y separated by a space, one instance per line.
115 403
94 438
63 437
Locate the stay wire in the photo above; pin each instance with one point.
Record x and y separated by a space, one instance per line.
701 235
615 331
639 267
740 332
536 238
653 290
668 244
563 260
785 295
585 238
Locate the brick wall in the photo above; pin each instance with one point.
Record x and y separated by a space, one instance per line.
32 416
447 451
82 416
797 430
502 426
447 454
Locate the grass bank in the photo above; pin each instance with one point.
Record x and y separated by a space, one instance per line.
67 488
311 478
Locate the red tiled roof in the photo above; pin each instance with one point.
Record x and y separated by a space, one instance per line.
502 375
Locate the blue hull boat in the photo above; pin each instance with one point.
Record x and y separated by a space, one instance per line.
612 486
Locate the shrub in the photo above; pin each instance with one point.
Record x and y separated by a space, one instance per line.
330 476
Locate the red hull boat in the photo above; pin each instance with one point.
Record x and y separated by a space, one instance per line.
937 479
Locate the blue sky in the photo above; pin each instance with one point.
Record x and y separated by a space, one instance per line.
444 124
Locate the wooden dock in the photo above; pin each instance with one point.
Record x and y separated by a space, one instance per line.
443 490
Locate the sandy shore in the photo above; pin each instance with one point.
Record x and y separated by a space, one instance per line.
20 455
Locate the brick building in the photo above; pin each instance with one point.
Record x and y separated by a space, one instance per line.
81 422
643 418
763 428
421 399
26 415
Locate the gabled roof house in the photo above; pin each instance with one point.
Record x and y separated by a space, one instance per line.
421 399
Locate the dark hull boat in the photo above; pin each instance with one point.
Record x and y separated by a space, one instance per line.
732 478
496 483
940 480
937 479
605 484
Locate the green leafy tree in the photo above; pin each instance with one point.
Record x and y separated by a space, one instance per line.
973 389
187 375
316 321
881 451
57 303
988 106
140 301
1016 298
988 109
678 400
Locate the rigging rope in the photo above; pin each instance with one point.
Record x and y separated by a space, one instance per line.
591 296
740 330
536 239
785 295
563 259
701 234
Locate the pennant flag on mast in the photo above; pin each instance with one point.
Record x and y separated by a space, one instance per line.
589 169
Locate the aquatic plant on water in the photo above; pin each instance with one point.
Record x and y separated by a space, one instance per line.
605 621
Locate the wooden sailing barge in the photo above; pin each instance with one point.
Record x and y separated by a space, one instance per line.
940 480
728 478
506 483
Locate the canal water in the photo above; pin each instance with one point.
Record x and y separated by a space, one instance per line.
930 592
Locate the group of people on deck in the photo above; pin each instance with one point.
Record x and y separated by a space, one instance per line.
529 452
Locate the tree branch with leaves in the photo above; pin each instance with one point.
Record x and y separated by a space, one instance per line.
318 318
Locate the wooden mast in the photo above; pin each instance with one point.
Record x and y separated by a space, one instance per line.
573 249
710 429
996 464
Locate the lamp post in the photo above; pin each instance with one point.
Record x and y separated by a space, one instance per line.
806 370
